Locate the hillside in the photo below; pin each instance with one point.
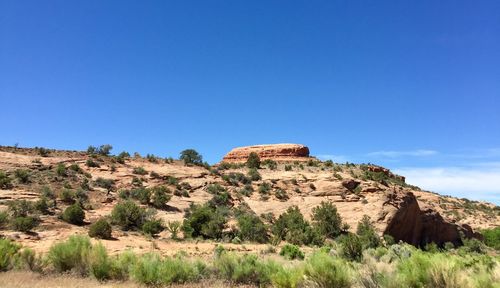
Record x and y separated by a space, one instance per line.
396 208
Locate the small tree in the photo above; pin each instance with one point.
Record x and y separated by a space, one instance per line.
251 228
367 234
105 149
191 156
74 214
327 220
100 229
253 161
152 227
352 248
5 181
128 215
173 227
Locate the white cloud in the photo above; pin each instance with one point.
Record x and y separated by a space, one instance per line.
478 183
396 154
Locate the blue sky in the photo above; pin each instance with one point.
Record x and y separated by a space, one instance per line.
411 85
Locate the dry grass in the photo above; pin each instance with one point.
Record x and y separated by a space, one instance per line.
21 279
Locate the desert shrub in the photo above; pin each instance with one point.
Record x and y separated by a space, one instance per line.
74 167
5 181
288 167
128 215
104 149
281 194
327 220
492 237
254 175
22 175
291 252
159 197
8 253
44 152
367 234
20 208
215 189
351 247
251 228
264 188
204 221
247 190
253 161
139 171
191 156
173 227
288 277
247 269
105 183
91 163
98 262
472 245
152 227
325 271
234 178
222 199
24 223
101 229
27 259
70 255
81 196
74 214
152 158
143 195
67 196
154 175
147 269
42 206
4 219
271 164
292 227
46 192
61 170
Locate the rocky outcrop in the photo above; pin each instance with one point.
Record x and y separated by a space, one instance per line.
380 169
407 222
277 152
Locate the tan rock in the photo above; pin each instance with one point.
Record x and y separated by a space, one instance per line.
277 152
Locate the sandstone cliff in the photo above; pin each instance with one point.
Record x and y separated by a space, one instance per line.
277 152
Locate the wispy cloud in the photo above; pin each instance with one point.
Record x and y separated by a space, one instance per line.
397 154
478 183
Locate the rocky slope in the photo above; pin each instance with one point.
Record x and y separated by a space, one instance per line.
397 209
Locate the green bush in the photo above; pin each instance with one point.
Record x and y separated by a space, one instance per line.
325 271
8 251
191 156
352 248
327 220
20 208
152 227
61 170
159 197
204 221
291 252
253 161
246 269
70 255
281 194
292 227
4 219
22 175
492 237
271 164
128 215
28 260
251 228
264 188
367 234
42 206
105 183
173 227
139 171
100 229
74 214
5 181
67 196
98 263
91 163
24 224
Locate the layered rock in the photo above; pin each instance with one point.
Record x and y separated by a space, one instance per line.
277 152
407 222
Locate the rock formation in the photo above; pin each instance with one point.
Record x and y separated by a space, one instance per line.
407 222
277 152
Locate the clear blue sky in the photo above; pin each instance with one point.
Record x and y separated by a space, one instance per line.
412 85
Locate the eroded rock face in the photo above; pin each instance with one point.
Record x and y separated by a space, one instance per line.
277 152
407 222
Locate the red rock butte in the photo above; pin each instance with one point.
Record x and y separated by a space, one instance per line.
276 152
